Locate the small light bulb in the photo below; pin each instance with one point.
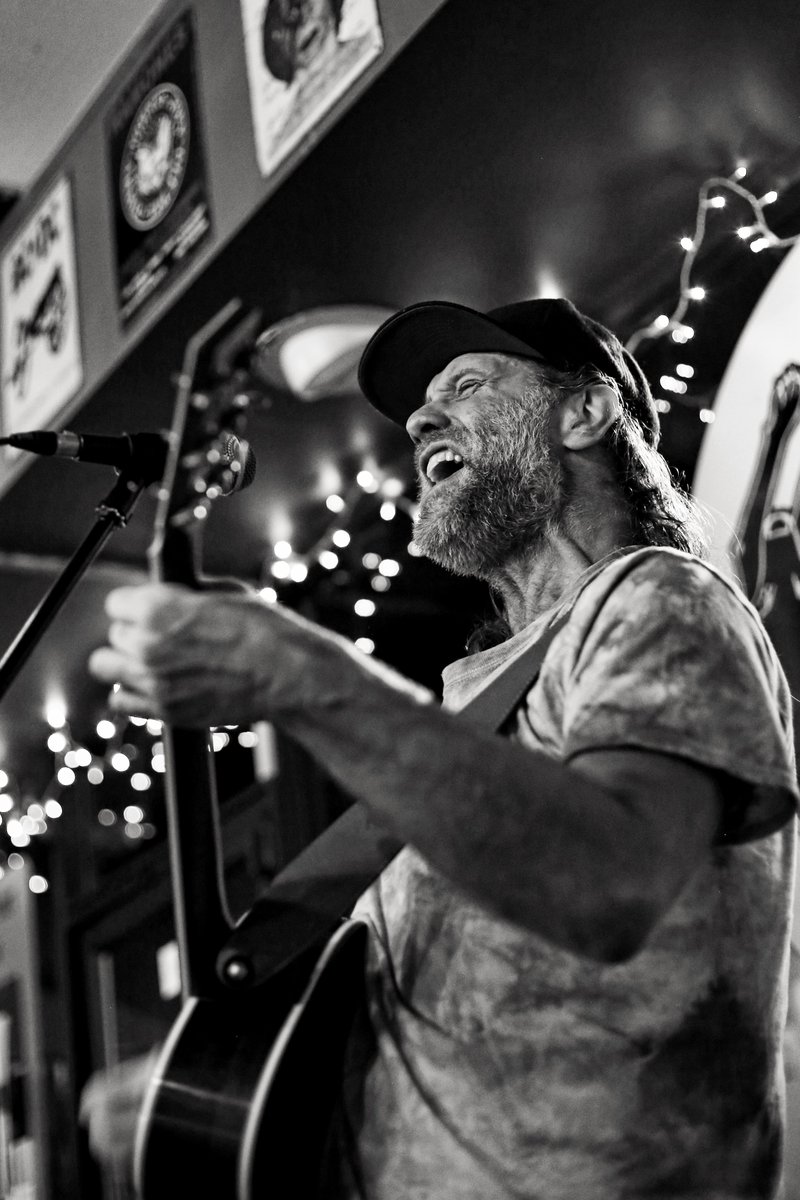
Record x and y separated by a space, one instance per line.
367 481
769 197
334 503
56 742
388 510
269 594
340 538
365 645
684 370
106 729
717 202
745 231
740 171
760 244
66 776
364 608
663 406
328 560
706 415
687 243
282 550
298 572
391 488
696 293
661 321
280 569
56 713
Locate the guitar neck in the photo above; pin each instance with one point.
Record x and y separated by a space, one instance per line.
202 919
195 472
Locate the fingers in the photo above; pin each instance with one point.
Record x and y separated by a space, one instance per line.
109 1108
150 604
185 657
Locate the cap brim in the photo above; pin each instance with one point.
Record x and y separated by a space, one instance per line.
418 342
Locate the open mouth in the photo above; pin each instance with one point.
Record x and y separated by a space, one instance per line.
441 465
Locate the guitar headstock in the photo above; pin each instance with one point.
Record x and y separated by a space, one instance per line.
208 455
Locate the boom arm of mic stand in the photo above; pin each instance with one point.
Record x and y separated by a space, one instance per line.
112 513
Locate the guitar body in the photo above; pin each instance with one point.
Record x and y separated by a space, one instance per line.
242 1099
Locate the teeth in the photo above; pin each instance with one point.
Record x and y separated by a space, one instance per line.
440 456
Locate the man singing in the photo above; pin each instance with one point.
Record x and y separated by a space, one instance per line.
577 973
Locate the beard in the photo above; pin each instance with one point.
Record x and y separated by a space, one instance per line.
505 498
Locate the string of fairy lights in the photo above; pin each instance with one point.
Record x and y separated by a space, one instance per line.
132 749
757 235
286 565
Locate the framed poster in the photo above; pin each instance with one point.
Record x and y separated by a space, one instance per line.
161 210
302 56
41 351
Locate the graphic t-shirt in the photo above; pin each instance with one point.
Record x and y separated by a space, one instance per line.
504 1066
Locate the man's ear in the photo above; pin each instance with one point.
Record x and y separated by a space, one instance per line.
586 415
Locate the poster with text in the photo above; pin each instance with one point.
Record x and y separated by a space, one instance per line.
41 352
302 56
161 210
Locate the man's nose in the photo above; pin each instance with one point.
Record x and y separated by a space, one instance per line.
429 416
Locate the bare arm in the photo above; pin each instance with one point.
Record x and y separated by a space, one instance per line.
588 855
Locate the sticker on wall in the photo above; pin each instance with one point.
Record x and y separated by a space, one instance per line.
161 212
41 351
302 56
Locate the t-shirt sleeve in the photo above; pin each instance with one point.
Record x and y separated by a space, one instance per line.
677 662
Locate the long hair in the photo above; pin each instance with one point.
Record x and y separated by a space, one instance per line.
660 511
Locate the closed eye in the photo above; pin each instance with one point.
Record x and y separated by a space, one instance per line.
465 385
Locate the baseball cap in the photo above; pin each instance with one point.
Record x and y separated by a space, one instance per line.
418 342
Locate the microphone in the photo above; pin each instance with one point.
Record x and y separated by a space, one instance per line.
147 452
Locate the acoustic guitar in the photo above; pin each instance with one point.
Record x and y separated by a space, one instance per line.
240 1103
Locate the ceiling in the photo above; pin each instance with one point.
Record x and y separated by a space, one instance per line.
525 147
74 50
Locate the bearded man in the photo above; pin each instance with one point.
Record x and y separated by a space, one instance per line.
577 976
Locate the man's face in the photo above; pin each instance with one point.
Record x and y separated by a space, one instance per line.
490 483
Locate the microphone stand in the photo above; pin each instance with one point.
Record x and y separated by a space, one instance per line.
112 513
